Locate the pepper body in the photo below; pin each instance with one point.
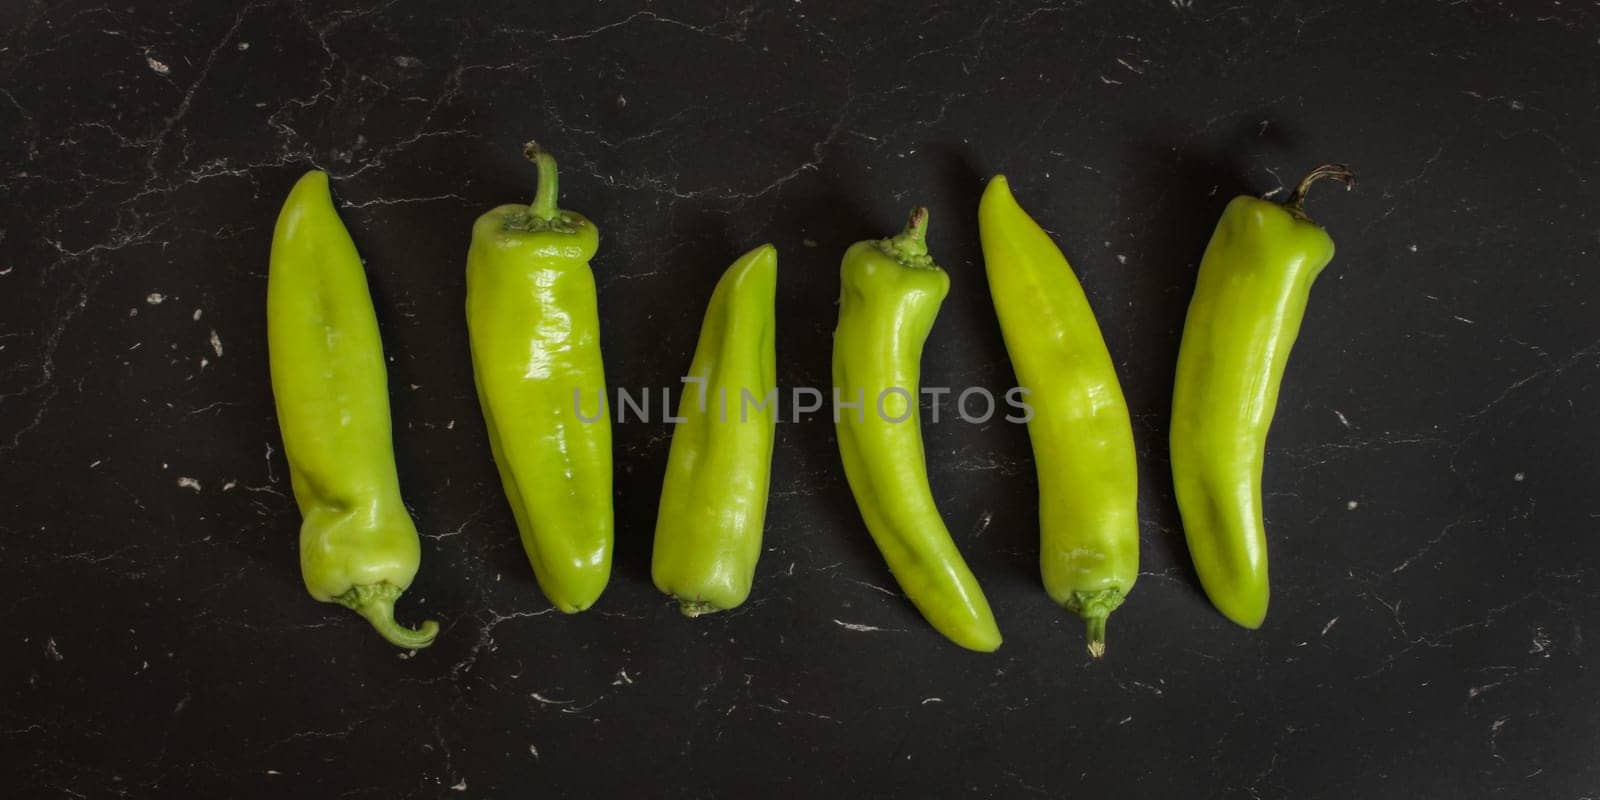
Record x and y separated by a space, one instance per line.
358 544
1080 429
1255 279
891 293
534 328
714 496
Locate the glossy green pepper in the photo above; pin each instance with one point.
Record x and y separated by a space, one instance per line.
358 545
891 293
1249 298
1081 432
714 497
534 328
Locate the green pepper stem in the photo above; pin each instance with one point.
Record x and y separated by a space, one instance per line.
376 603
1094 607
1096 634
910 246
1339 172
544 198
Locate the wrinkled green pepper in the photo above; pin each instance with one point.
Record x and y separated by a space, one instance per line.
1081 432
358 545
1249 298
714 496
534 327
891 293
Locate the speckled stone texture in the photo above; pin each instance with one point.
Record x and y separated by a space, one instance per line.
1430 478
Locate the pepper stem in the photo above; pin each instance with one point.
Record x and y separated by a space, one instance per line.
1096 634
1297 199
544 199
1094 607
910 246
376 603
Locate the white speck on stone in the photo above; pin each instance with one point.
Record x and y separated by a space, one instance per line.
204 361
1125 720
1351 505
52 651
133 312
6 271
197 313
460 787
622 678
1122 259
533 750
856 626
189 483
229 485
216 343
1411 247
928 700
1329 626
95 463
243 46
450 426
1519 477
273 772
155 298
1343 420
156 66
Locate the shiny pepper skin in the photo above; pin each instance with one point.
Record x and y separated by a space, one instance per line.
358 545
1080 429
714 496
534 327
891 293
1249 298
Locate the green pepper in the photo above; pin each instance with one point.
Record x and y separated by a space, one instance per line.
714 497
1249 298
534 328
358 545
1081 433
891 293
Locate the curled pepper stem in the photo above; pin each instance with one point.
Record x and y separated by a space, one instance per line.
544 198
376 603
1339 172
910 246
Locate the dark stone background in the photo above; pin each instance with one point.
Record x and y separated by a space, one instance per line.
1430 477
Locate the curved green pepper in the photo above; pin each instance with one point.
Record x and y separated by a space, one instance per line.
535 334
358 545
1249 298
714 497
1081 433
891 293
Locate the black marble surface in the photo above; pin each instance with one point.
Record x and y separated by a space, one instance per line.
1430 477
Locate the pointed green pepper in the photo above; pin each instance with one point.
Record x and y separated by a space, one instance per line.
534 327
891 292
1254 282
714 497
1081 433
358 545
